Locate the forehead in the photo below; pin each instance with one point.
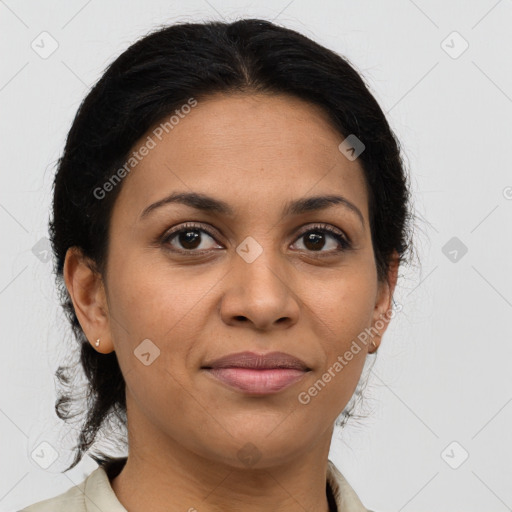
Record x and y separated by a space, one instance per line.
256 148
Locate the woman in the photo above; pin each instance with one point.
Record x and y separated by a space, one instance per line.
230 213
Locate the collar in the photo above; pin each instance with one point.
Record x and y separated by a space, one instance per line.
99 495
344 495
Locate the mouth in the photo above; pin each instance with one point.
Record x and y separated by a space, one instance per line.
257 374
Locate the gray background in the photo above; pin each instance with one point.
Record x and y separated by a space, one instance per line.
443 371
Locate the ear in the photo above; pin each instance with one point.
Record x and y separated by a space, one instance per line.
85 287
383 305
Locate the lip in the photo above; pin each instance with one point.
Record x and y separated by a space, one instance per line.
268 361
258 374
257 382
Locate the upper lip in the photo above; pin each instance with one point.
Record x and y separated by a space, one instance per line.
258 361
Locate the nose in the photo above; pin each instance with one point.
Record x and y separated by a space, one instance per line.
260 293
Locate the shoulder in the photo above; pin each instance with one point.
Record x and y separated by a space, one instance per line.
92 494
72 500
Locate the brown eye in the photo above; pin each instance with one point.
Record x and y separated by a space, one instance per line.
193 238
314 241
317 238
189 238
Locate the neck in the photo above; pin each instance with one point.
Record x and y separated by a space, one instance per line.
161 475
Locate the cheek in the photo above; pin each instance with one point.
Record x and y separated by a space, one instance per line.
157 316
162 304
345 306
152 298
342 313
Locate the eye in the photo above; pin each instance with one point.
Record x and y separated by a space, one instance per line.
315 239
188 237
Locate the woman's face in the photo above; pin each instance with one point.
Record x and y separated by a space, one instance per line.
261 278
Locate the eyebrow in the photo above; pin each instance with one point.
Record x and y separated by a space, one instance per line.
211 205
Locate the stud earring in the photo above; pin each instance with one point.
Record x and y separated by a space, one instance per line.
97 342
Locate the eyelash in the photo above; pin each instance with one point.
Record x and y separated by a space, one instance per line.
323 228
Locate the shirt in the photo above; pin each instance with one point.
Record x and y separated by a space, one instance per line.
95 494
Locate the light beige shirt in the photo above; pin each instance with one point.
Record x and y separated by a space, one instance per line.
95 494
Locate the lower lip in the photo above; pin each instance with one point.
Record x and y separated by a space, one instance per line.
259 382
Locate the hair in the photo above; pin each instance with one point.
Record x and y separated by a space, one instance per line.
156 75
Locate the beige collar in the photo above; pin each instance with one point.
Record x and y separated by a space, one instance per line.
345 497
95 494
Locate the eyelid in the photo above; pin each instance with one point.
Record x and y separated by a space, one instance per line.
305 228
335 232
322 226
192 225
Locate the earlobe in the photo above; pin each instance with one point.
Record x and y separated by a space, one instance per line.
87 293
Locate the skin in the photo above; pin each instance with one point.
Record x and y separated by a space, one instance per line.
255 152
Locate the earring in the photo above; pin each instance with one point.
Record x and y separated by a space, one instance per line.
97 342
373 343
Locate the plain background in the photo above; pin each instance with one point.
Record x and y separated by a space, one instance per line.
443 371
